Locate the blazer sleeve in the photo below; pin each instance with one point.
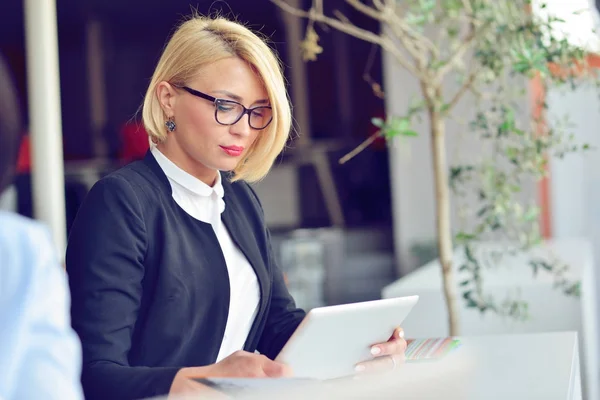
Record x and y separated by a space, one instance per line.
105 263
283 316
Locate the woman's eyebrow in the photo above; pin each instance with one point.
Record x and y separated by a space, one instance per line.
238 98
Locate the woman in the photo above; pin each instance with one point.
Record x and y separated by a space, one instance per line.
40 356
171 269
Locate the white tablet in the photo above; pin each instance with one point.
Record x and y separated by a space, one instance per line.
330 341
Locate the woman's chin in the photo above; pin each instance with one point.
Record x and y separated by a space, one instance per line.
225 166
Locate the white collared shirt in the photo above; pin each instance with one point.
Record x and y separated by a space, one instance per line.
206 204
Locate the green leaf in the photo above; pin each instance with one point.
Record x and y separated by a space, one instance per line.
534 265
455 172
465 283
471 303
512 152
514 188
574 290
469 254
531 214
545 265
399 124
437 64
522 67
413 19
463 237
483 210
427 5
378 122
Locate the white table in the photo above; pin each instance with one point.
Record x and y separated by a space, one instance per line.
530 366
551 311
516 367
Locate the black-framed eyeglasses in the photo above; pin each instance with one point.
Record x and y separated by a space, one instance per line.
229 112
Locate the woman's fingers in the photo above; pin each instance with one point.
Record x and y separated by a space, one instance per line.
398 334
380 364
274 369
395 346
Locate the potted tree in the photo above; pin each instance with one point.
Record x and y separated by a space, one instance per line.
482 46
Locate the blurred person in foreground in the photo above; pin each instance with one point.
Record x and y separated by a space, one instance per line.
170 262
40 356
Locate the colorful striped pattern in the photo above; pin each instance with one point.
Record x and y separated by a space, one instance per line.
429 349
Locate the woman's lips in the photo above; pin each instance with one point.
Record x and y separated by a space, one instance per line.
234 151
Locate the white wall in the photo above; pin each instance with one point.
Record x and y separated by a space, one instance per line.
411 172
575 180
413 202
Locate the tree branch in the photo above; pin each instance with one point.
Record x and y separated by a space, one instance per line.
390 4
461 50
354 31
389 17
361 147
466 86
388 45
345 27
385 17
366 10
378 5
339 15
406 33
467 6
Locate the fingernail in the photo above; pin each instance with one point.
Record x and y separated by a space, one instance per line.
359 368
401 334
375 350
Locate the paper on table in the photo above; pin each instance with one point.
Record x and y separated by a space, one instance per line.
237 385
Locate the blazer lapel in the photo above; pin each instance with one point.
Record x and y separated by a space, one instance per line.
244 236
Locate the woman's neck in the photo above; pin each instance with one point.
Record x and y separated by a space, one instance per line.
180 158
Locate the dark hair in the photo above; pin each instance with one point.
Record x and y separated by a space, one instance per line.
10 126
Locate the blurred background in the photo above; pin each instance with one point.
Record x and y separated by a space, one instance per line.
342 232
107 53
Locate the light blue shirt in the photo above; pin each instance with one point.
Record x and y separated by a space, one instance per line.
40 355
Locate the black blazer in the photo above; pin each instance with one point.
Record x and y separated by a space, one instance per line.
149 283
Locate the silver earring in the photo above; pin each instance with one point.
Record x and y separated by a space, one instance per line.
170 124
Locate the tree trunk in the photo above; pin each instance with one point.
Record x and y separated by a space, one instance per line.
444 230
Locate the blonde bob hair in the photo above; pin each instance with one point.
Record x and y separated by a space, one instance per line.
200 41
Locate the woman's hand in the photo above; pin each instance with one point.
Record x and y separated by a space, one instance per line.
240 364
386 356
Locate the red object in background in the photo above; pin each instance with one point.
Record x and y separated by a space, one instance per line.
24 158
134 139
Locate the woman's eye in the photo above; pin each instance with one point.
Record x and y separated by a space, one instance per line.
224 107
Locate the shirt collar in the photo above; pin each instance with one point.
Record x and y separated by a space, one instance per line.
186 180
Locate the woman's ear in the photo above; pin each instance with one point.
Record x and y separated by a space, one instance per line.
166 94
